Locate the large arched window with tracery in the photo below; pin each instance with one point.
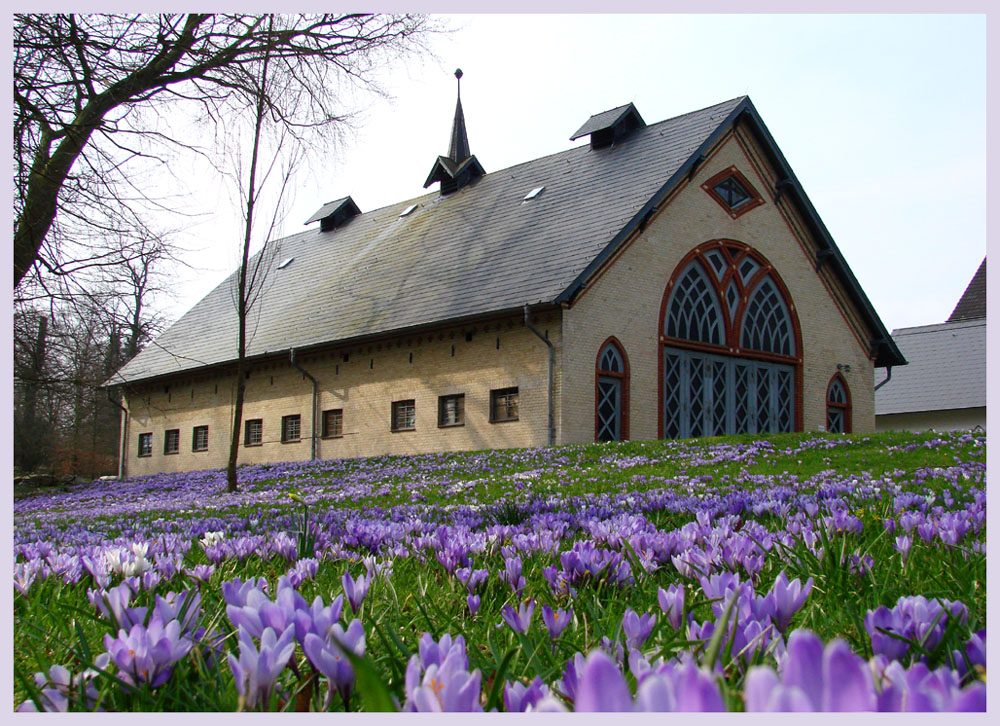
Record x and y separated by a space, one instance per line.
731 347
611 393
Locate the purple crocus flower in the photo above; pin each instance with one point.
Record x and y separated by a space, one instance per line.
788 598
602 686
56 690
113 604
257 670
903 544
571 676
672 604
519 621
473 602
327 655
355 590
921 689
637 628
813 678
184 607
202 573
446 685
518 698
556 621
146 654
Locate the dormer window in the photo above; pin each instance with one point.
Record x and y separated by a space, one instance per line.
733 192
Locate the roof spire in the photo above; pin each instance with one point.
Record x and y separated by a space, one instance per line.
459 167
459 149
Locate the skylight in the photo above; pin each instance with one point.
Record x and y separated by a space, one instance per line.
285 263
408 210
532 194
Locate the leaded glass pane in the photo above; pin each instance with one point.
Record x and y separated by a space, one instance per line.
608 409
766 323
741 398
837 394
785 401
696 389
763 400
731 191
732 299
720 406
694 313
718 262
747 268
834 420
611 360
672 396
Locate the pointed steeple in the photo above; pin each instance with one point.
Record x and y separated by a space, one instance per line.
459 149
460 166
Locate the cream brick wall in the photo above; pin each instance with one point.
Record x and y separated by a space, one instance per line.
625 302
364 388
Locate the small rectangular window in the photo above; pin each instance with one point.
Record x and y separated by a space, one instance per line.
503 404
291 428
171 441
404 415
333 423
146 444
451 410
199 438
253 432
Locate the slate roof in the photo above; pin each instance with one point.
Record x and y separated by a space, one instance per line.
947 369
972 304
457 256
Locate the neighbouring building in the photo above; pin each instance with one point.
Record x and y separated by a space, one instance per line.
944 385
663 280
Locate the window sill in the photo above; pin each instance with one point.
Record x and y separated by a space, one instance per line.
198 451
333 436
291 441
250 446
451 426
503 420
402 431
171 453
143 456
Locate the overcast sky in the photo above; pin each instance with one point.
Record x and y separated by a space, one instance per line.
882 118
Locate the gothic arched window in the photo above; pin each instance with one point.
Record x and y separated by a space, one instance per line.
731 351
611 407
838 406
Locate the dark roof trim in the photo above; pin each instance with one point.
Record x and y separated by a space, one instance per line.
885 351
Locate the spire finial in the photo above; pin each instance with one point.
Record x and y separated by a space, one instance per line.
458 75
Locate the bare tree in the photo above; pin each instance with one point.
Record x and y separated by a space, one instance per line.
88 90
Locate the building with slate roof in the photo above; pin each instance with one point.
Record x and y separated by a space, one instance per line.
944 385
659 280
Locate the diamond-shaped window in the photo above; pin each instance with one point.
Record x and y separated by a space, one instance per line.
733 192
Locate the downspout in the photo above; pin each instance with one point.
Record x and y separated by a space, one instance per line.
552 365
888 375
122 449
312 426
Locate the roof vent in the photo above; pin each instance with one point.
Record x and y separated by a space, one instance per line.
532 194
285 263
408 211
610 127
335 214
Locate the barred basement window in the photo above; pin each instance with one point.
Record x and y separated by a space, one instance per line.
333 423
451 410
503 405
291 428
253 432
199 438
145 444
171 441
404 415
